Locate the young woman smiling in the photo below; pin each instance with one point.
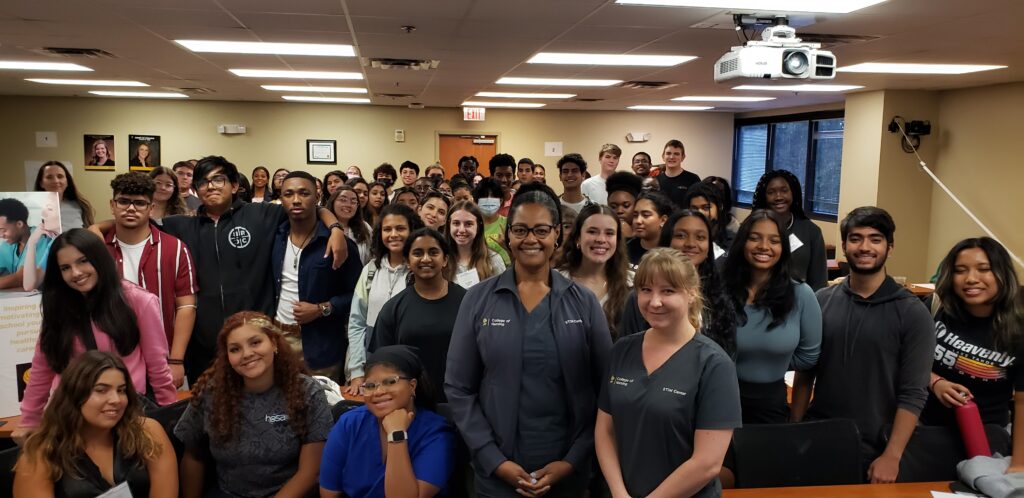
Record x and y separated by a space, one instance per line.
433 209
94 437
980 304
256 415
166 201
376 199
86 305
779 191
261 191
649 215
594 257
474 261
779 318
646 397
382 278
423 315
530 323
395 445
344 203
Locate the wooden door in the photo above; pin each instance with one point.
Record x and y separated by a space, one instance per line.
452 147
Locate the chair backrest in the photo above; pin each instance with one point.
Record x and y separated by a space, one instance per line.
168 417
933 452
8 458
818 453
343 406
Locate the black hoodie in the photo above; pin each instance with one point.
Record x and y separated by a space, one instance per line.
876 356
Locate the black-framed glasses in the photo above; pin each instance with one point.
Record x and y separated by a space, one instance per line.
540 231
387 383
124 202
217 181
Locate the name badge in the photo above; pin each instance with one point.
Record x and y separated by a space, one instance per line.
467 278
794 243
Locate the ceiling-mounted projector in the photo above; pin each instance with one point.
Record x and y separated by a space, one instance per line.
780 55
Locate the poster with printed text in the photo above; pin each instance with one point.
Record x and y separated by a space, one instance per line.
99 152
19 328
144 152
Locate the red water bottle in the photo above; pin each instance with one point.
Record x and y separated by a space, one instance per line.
972 430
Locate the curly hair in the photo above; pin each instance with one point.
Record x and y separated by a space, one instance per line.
133 183
616 269
226 386
58 442
378 249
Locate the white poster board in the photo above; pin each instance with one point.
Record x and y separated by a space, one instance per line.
19 327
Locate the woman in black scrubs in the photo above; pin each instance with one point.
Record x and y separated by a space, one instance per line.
670 400
526 362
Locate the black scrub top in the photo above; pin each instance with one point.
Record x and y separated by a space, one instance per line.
655 415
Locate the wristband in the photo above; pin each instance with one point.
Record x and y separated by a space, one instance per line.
171 361
932 388
332 226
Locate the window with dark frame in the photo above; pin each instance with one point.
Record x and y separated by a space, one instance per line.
808 145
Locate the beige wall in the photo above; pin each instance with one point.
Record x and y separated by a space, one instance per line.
980 161
277 133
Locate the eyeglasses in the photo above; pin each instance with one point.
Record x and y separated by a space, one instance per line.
540 231
387 383
123 203
217 181
347 200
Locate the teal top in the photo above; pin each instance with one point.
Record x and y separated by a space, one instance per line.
11 261
764 355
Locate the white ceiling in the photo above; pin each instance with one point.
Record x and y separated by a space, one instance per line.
479 41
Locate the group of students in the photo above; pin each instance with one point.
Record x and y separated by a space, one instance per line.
641 328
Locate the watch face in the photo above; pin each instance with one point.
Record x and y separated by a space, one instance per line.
397 436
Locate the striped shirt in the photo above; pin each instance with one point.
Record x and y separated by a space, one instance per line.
165 269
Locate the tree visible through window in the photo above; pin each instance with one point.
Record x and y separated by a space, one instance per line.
808 145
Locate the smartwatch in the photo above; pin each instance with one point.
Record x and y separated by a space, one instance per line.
398 436
325 309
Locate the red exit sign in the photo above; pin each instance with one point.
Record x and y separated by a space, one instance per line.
473 113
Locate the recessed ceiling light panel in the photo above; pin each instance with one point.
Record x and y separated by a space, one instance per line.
721 98
557 82
51 81
321 89
826 7
238 47
799 88
514 95
150 95
670 107
42 66
519 105
912 68
609 59
305 75
330 100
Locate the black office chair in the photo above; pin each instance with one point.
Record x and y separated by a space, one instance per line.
8 458
343 406
818 453
933 452
168 417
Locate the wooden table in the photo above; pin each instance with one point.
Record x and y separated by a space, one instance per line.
903 490
11 423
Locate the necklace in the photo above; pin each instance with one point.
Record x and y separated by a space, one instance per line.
298 251
791 220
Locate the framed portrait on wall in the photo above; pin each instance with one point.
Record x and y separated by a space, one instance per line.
321 152
99 152
144 152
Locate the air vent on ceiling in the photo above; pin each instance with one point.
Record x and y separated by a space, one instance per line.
646 85
586 100
413 64
395 95
91 53
192 90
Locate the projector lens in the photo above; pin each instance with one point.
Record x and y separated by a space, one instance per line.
795 63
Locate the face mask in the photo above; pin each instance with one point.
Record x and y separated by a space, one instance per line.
489 205
386 182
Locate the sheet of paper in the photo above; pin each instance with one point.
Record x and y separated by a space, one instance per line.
794 243
467 278
119 491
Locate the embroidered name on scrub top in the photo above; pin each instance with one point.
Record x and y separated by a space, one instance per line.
497 322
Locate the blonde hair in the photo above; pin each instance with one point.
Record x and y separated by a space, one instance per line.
614 149
676 269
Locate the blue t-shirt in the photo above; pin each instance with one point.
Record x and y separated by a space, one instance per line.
352 460
11 261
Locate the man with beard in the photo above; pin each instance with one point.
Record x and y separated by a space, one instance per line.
876 350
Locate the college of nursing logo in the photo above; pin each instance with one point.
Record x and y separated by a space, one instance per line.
485 322
239 237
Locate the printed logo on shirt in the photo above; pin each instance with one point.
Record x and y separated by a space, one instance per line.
277 419
573 320
239 237
620 381
496 322
673 391
969 359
